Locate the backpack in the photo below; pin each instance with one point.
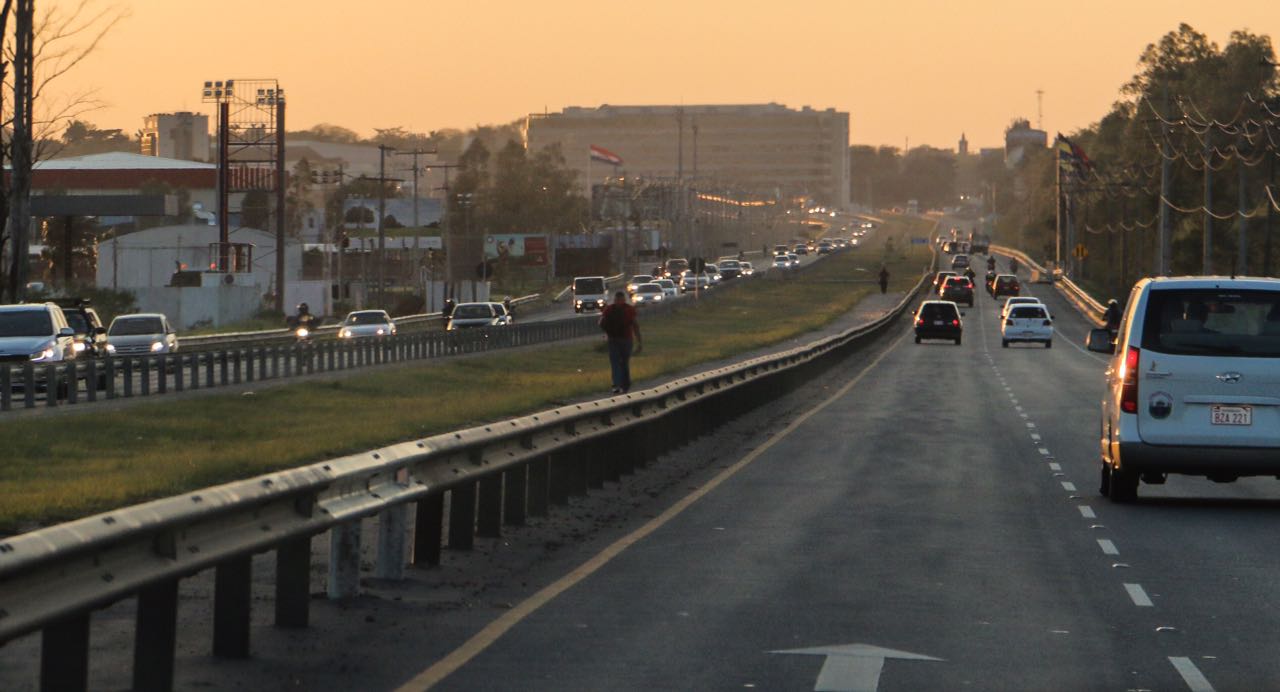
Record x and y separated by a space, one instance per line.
614 321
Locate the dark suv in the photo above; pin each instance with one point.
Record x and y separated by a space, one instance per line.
938 319
1005 285
91 335
957 289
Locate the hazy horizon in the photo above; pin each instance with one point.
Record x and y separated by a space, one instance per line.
913 70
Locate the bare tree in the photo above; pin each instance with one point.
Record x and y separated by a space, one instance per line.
20 146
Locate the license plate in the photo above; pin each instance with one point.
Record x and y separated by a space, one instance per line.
939 323
1231 415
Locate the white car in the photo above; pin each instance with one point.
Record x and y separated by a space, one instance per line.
363 324
781 262
141 334
1027 323
1192 383
636 281
747 269
35 333
669 288
467 315
647 294
793 258
1017 300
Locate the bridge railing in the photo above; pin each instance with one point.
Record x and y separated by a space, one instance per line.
1085 303
502 472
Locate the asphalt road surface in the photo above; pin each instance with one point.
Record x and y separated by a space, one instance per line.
945 506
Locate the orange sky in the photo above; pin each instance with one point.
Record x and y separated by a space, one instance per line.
903 68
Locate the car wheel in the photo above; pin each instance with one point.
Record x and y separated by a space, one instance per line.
1104 483
1048 344
1004 343
917 339
1124 486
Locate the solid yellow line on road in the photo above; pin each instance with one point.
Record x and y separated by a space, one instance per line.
493 631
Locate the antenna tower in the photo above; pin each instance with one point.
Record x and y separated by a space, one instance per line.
1039 109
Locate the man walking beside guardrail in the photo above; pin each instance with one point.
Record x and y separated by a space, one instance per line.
618 320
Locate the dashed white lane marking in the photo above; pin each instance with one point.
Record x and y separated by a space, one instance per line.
1031 425
1191 675
1044 451
1035 437
1023 415
1017 408
1086 511
1138 595
1055 466
1069 486
1108 547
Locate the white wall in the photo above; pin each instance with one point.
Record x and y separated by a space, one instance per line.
185 307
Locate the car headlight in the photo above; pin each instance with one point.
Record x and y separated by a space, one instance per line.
381 331
78 347
344 334
600 302
302 332
657 297
111 348
46 353
157 346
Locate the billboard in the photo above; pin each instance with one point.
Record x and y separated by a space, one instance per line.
517 248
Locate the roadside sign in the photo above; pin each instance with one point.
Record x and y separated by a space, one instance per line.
1080 251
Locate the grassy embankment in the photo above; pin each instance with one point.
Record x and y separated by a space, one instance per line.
73 465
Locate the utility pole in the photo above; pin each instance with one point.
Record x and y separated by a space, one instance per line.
680 143
1124 241
1206 249
417 258
382 231
1271 213
695 147
1164 251
1242 239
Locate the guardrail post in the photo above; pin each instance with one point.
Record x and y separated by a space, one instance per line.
223 378
154 638
310 352
489 521
328 352
428 525
392 523
235 366
232 591
64 654
110 366
515 496
293 582
539 486
595 460
262 363
73 382
344 560
128 376
194 364
248 364
290 357
275 361
6 388
52 383
28 385
144 378
578 461
559 477
162 376
179 382
208 369
462 516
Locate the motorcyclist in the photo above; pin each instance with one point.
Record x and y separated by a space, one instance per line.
970 274
1013 265
991 263
1112 316
304 321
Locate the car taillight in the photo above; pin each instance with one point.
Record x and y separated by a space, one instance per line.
955 323
919 321
1129 381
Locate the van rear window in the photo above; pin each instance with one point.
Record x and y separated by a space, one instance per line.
1213 322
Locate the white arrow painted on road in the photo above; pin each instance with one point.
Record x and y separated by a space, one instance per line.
853 667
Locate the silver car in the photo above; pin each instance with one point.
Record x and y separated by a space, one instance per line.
648 294
35 333
364 324
473 315
141 334
1193 386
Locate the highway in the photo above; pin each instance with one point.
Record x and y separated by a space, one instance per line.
946 506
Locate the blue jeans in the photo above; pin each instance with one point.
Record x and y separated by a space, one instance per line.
620 362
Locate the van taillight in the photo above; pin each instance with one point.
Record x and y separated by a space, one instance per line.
1129 381
955 323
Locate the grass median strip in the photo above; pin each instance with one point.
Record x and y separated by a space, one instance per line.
73 465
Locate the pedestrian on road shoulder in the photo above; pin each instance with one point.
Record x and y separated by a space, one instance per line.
618 320
884 279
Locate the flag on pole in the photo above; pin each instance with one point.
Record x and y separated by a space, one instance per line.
1069 152
603 155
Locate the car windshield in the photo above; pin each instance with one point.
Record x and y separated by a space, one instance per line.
468 312
25 323
1028 312
136 326
938 311
1213 322
649 288
366 317
641 278
592 286
667 283
76 321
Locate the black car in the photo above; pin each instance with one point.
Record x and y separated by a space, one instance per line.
938 319
957 289
91 334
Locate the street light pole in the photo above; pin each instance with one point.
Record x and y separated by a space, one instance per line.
382 231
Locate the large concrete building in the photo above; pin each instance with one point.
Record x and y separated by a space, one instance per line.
765 148
176 136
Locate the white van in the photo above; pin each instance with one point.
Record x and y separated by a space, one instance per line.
589 293
1193 386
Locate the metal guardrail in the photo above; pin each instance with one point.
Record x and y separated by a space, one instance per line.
498 473
1090 308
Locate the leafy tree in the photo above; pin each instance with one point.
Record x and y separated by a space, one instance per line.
255 210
